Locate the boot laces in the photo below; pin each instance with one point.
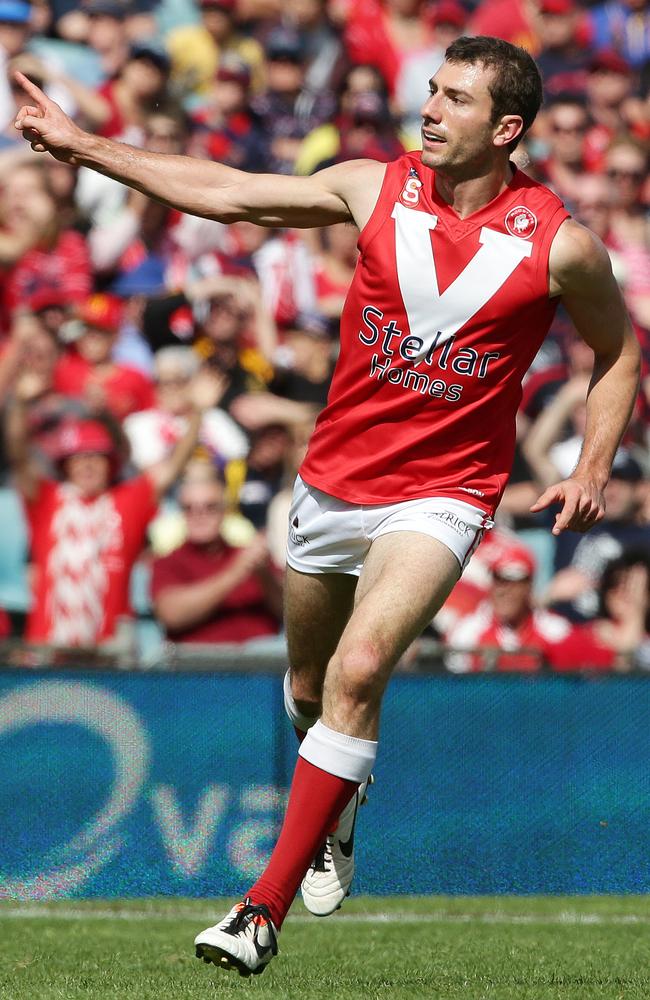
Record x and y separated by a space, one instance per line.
254 915
323 860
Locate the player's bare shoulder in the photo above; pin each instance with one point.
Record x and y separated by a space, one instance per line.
577 261
357 183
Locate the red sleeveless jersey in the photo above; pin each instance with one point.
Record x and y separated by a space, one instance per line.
442 320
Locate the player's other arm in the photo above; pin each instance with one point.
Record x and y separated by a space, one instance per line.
201 187
580 271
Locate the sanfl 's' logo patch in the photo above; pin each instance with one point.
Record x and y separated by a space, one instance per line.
410 195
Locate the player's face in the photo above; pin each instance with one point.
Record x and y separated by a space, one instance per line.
458 135
89 472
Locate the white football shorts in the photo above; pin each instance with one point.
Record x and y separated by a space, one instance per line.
327 535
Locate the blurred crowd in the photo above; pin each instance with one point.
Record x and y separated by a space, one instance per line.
160 374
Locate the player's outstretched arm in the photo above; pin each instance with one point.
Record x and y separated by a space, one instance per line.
201 187
580 271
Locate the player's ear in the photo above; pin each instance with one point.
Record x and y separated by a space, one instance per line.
508 128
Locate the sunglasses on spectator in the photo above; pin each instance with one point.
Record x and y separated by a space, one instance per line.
170 135
569 129
202 508
630 175
174 380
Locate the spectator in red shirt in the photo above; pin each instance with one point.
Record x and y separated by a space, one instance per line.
88 528
208 591
87 370
507 632
57 259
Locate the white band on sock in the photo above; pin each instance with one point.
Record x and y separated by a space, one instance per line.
297 719
345 756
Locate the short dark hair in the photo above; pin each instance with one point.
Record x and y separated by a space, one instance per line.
516 87
611 576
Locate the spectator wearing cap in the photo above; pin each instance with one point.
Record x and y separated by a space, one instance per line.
508 633
196 49
623 25
225 127
88 527
87 371
580 561
154 433
287 109
563 57
208 591
53 259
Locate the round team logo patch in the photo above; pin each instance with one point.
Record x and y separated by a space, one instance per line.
520 221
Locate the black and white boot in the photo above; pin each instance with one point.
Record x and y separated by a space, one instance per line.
245 940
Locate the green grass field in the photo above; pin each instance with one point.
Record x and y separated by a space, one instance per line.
520 948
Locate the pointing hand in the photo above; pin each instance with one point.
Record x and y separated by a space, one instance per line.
45 125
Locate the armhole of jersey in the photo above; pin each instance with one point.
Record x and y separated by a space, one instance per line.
377 216
543 273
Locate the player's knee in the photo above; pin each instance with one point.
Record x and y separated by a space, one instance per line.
359 672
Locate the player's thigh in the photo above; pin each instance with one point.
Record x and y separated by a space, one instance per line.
317 609
406 578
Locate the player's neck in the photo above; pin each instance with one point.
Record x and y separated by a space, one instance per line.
467 195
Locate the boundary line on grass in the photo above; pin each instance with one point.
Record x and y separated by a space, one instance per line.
564 918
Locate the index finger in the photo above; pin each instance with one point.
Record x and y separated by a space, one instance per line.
34 92
563 519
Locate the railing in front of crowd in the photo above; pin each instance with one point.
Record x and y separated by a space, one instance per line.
428 656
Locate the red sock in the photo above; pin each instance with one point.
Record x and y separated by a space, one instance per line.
300 733
315 802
